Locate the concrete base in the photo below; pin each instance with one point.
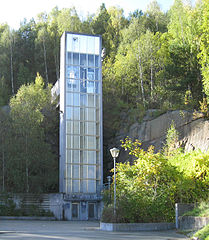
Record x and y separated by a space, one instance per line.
27 218
192 223
134 227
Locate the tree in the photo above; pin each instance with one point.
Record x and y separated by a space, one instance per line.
33 156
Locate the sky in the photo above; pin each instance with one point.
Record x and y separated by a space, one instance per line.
15 11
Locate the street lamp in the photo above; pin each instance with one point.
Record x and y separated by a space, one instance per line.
114 152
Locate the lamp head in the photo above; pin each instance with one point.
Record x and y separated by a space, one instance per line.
114 152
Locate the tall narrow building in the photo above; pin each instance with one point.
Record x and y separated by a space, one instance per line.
81 164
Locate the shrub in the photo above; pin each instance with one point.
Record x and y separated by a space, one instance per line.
148 189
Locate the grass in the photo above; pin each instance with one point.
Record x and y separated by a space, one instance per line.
203 234
201 211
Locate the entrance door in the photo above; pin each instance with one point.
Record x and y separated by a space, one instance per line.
75 211
91 210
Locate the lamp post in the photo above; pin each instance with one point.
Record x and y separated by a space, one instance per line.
114 152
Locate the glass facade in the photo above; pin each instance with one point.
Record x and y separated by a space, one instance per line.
82 108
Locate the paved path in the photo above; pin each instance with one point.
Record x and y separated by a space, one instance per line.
61 230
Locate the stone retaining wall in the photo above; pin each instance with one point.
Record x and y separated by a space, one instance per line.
131 227
192 223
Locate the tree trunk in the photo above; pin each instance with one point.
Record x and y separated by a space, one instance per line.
141 77
45 62
11 64
26 164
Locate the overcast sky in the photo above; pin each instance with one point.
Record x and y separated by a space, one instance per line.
14 11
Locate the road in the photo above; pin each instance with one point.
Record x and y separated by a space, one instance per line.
73 230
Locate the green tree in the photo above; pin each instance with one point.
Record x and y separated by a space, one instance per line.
31 153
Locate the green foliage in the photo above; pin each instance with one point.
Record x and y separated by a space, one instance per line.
172 138
202 210
148 189
203 234
30 165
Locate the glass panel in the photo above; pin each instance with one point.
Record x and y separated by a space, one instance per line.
69 142
91 128
85 142
76 141
83 61
69 156
97 74
91 171
75 156
76 128
69 127
91 186
96 61
85 169
72 85
90 87
91 44
91 157
91 100
75 171
90 74
83 73
97 115
69 99
75 185
91 142
76 99
68 171
69 113
83 99
84 186
91 114
98 142
69 58
83 85
75 58
72 72
75 210
97 87
97 101
76 112
97 129
98 157
91 60
83 116
85 157
75 44
83 44
69 186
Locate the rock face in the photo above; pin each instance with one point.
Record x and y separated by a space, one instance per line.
193 132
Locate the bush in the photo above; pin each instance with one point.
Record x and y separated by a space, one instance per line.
148 190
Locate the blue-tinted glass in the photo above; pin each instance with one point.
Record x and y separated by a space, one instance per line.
76 99
76 72
75 58
91 60
97 74
96 61
83 100
83 73
83 86
69 58
90 87
90 74
97 87
83 61
72 85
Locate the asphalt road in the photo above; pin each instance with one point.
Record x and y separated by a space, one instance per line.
71 230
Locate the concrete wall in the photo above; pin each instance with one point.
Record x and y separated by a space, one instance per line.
129 227
58 203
